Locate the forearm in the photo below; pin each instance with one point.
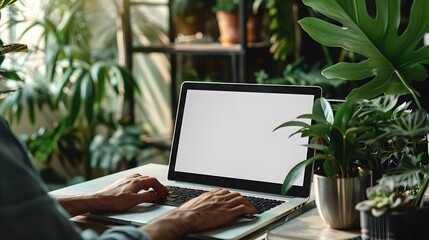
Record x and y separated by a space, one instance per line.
77 205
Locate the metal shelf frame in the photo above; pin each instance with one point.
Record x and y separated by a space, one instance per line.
237 53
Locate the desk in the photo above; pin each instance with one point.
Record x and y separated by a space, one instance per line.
309 223
309 226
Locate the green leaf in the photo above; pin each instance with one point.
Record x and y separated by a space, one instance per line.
76 100
415 124
314 117
87 96
10 75
392 61
5 3
293 124
13 48
323 108
343 115
296 171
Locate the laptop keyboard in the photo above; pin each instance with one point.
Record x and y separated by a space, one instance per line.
179 195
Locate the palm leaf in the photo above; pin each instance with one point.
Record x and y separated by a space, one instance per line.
392 61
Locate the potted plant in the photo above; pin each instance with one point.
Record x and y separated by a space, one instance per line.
399 193
355 138
228 21
188 16
392 57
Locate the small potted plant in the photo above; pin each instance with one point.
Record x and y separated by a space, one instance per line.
228 21
188 16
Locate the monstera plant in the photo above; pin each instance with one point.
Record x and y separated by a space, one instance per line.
387 36
392 56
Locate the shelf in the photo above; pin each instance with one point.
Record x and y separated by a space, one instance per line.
239 54
199 48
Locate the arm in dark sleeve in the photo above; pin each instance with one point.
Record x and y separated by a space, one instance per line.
26 210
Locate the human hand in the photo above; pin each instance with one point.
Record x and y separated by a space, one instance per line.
216 208
121 195
126 192
209 210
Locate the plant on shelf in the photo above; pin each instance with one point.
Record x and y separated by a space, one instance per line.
188 16
228 21
226 5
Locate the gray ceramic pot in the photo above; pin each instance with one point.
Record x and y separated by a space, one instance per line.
336 199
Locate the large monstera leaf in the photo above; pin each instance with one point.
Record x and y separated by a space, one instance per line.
393 58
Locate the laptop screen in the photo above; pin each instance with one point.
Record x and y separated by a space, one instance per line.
224 135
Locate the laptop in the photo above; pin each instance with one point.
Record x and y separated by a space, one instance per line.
224 138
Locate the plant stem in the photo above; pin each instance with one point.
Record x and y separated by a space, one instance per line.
418 202
413 94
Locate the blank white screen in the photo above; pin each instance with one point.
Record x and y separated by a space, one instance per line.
230 134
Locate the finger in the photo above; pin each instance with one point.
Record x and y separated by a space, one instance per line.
232 195
148 197
243 209
150 182
239 200
134 175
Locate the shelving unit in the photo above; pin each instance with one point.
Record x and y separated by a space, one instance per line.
237 53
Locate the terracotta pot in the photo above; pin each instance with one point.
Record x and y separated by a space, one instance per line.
189 25
228 27
229 30
253 28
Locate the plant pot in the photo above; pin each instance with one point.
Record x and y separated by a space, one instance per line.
228 27
189 25
228 23
373 227
253 26
336 199
409 224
